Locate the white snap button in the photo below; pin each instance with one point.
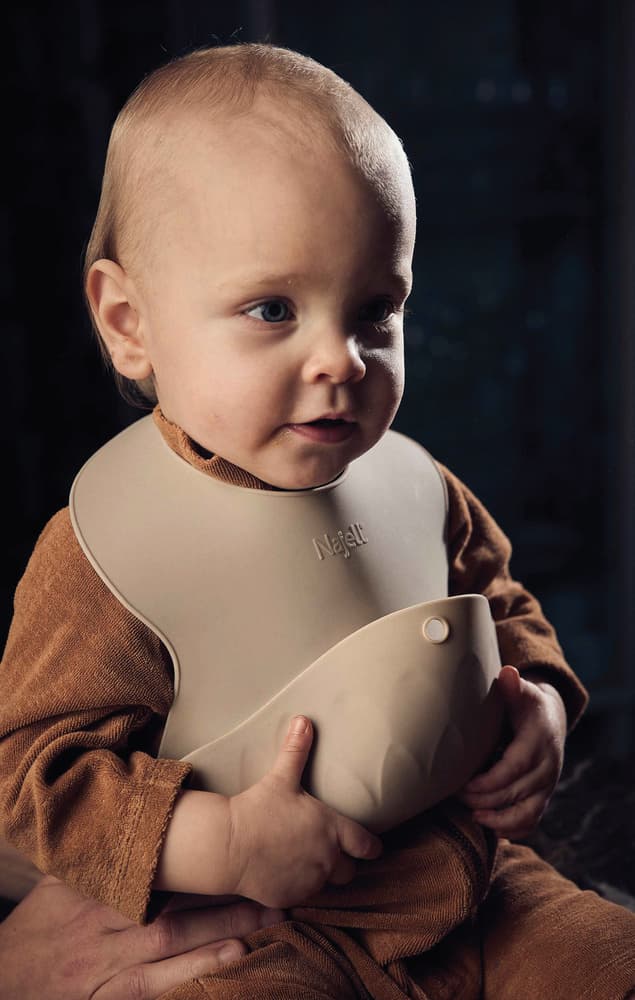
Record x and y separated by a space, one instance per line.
435 629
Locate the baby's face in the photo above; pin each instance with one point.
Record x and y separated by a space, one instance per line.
273 316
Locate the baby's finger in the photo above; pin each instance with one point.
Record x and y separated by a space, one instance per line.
344 871
516 821
357 841
513 765
534 781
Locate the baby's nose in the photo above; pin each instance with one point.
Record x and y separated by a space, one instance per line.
335 357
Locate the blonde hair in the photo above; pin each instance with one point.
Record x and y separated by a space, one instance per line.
224 80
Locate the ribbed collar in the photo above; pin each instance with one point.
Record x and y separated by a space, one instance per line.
212 465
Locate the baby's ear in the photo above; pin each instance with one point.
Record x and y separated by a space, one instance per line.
111 295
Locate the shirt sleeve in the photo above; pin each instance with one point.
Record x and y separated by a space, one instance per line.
86 688
479 554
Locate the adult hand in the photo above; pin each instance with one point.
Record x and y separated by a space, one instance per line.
62 946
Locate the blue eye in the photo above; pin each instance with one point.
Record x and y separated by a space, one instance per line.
377 311
272 311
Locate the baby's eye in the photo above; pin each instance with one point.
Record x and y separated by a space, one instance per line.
377 311
272 311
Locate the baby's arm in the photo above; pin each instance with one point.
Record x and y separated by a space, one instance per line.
480 554
273 843
545 701
85 689
513 794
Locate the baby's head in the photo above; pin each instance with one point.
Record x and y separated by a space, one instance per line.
251 257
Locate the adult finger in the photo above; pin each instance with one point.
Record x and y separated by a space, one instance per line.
294 753
153 979
181 931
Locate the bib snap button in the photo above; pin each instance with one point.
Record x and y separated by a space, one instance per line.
435 629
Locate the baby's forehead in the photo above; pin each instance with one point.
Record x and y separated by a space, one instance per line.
284 124
201 147
272 115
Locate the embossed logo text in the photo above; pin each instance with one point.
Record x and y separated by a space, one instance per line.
341 543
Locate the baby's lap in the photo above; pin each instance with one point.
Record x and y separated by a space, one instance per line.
536 935
287 961
541 931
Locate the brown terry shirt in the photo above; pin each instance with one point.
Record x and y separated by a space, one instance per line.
86 689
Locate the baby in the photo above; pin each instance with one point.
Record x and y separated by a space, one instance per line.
247 275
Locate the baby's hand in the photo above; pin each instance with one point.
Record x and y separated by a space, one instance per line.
287 844
512 796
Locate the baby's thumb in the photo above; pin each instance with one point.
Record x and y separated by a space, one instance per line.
294 753
509 685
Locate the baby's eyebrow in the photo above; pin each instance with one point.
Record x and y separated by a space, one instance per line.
394 281
268 280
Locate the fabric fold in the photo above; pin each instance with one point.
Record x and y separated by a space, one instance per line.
355 940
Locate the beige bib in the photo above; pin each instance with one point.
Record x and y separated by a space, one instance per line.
323 602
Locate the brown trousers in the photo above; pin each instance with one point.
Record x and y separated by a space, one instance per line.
533 936
537 937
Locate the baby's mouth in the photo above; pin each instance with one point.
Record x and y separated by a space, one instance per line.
326 430
328 422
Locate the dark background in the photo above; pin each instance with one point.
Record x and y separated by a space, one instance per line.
516 116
